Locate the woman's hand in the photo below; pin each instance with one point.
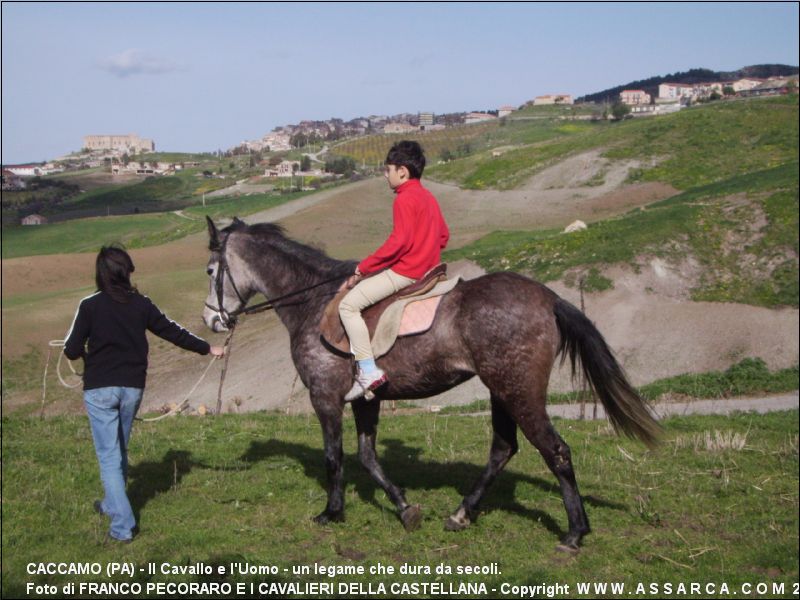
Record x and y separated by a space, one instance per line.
218 351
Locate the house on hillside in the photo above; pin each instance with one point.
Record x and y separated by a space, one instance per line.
553 99
634 97
25 170
675 91
477 117
772 87
425 121
746 83
34 220
399 128
286 168
505 110
144 168
12 181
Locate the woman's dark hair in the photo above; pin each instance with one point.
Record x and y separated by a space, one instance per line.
407 154
113 273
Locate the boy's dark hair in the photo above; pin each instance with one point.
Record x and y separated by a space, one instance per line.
113 270
407 154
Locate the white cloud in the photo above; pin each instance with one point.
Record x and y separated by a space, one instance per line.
137 62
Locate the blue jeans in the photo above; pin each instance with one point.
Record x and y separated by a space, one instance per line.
111 412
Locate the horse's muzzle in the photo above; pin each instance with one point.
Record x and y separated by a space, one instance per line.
213 321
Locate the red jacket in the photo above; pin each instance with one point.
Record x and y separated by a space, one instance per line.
419 235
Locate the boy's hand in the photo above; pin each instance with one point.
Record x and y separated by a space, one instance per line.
218 351
352 280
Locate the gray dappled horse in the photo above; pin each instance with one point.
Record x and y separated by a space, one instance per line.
506 329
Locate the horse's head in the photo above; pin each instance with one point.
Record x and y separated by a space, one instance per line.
230 285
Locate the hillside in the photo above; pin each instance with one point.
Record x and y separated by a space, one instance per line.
734 225
650 85
689 263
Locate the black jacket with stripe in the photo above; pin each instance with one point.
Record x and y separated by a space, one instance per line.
116 352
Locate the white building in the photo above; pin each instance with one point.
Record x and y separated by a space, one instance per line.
130 143
25 170
675 91
553 99
504 111
34 220
477 117
747 83
425 120
399 128
286 168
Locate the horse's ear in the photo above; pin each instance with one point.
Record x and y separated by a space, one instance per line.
213 235
237 221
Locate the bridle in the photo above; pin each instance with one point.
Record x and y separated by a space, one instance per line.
228 318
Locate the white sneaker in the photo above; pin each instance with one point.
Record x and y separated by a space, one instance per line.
365 383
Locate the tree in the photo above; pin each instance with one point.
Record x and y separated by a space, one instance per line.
305 163
341 166
619 111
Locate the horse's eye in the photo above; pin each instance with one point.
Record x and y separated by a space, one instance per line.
210 271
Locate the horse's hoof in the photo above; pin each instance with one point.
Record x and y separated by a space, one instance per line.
453 524
326 517
570 544
570 549
411 517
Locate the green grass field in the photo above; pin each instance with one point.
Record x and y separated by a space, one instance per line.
716 503
134 231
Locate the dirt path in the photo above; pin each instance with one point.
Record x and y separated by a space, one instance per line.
719 406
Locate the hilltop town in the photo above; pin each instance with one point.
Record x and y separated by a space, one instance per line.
295 149
111 150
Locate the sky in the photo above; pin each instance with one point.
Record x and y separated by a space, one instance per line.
206 76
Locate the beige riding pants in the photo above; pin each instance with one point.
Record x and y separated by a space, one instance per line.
367 292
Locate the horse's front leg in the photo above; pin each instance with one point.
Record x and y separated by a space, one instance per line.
366 415
331 421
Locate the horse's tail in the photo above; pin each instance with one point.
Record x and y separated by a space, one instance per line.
625 408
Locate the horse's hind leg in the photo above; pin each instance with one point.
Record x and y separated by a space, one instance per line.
537 427
504 446
366 415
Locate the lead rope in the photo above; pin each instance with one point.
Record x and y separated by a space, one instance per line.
228 344
179 408
60 343
56 344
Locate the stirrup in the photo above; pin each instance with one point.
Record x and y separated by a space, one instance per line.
364 385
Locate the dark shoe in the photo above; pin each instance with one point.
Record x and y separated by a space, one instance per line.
116 540
111 538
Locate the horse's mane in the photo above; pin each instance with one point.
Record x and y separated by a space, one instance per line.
274 236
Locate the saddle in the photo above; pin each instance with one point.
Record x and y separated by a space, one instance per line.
408 311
